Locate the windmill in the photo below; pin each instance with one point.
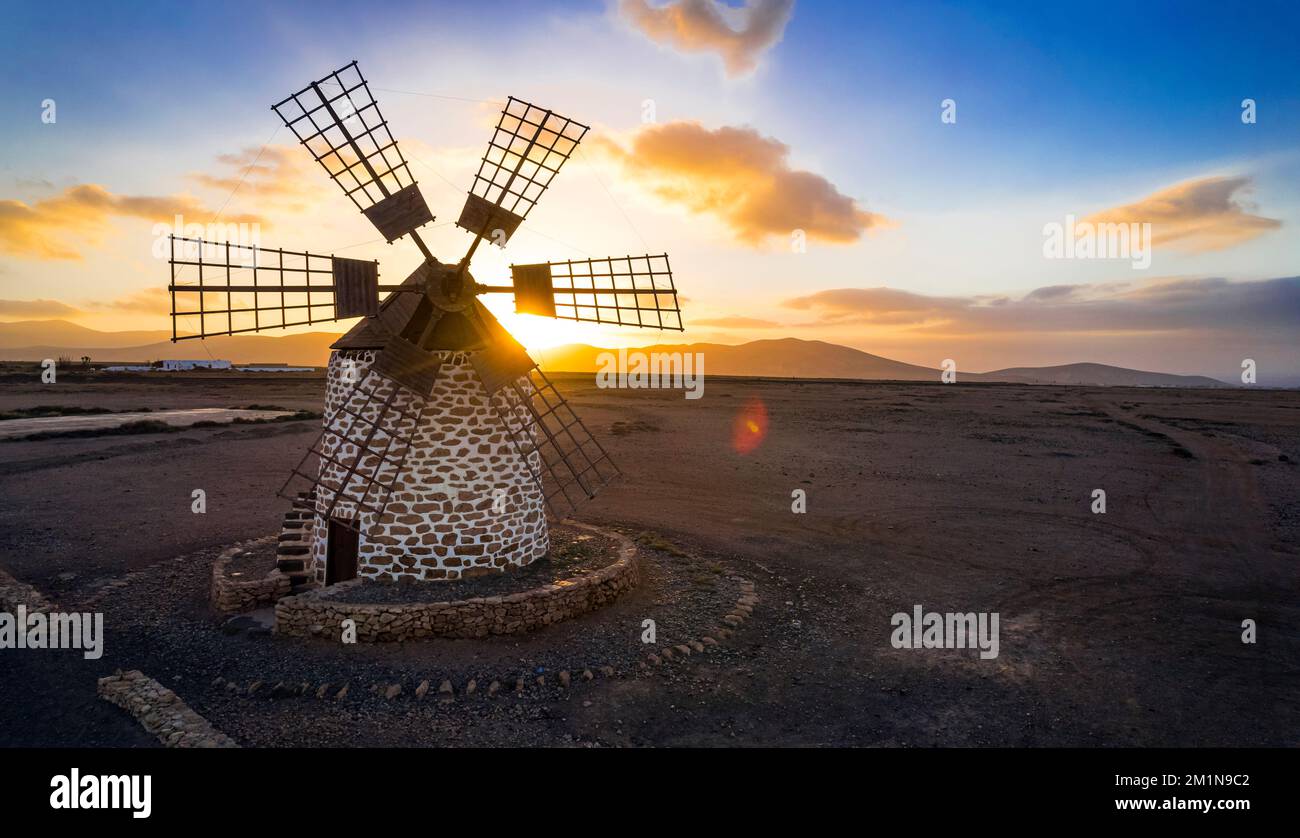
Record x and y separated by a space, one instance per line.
443 445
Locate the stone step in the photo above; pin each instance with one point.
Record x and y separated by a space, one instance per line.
297 548
291 565
299 578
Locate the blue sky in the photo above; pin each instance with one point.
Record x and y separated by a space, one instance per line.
1059 111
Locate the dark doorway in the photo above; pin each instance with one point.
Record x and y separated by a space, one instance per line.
341 552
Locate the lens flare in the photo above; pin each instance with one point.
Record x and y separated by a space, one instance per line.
749 427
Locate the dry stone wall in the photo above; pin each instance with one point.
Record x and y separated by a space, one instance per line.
232 596
161 712
315 613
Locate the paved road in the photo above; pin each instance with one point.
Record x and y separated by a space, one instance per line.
22 427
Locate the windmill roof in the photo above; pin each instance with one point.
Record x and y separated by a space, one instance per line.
408 314
395 314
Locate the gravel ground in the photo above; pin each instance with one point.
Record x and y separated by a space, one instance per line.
1122 629
159 622
255 561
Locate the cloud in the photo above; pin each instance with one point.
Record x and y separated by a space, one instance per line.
1171 305
43 229
145 301
1196 215
36 309
880 306
742 178
276 173
739 35
736 323
53 228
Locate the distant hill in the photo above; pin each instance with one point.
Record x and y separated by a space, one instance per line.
34 340
62 333
1100 375
794 358
781 358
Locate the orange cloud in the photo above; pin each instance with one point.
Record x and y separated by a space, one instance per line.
42 229
1196 215
733 322
145 301
36 309
707 26
1165 305
742 178
276 173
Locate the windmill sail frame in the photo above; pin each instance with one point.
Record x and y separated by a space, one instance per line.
527 149
352 142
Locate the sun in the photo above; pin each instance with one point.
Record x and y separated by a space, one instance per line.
536 332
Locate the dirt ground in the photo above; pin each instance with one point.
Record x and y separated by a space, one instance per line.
1122 628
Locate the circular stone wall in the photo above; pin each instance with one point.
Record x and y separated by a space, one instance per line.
317 613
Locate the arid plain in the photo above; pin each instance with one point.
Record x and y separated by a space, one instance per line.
1122 628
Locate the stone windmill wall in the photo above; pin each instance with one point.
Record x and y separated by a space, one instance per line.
465 501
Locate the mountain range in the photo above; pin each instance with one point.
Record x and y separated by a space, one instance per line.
34 340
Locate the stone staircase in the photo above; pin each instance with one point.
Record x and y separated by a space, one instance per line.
293 553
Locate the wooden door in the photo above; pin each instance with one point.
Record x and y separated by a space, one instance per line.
341 552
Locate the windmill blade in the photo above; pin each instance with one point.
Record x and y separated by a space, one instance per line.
361 453
528 147
566 461
228 289
338 121
622 290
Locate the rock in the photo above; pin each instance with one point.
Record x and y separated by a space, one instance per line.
254 687
607 671
654 660
324 688
564 678
342 694
684 649
708 641
471 687
586 675
494 688
445 690
393 691
696 646
422 690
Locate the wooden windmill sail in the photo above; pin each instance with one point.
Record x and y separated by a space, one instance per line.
413 337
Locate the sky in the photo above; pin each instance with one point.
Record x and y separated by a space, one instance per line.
900 178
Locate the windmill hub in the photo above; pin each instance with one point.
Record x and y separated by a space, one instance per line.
443 446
